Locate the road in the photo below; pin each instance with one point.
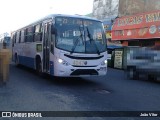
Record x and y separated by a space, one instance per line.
25 91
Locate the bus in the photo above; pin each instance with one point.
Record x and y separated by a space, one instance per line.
62 45
5 39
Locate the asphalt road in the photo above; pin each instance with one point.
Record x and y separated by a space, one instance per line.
25 91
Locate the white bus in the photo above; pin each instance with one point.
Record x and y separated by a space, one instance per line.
62 45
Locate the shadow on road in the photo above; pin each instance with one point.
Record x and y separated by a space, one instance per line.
71 81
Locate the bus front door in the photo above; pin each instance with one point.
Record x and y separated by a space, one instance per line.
46 46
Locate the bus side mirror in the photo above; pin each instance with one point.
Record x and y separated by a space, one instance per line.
53 29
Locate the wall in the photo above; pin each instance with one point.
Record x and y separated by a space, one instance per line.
131 7
104 8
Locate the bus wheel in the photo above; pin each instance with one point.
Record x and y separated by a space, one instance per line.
16 60
39 67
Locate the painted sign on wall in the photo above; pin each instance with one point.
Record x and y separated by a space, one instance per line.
140 26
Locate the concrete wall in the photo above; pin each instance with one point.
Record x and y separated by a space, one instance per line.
131 7
105 8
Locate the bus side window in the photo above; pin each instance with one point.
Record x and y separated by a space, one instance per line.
19 37
25 35
15 37
38 33
22 36
29 34
12 39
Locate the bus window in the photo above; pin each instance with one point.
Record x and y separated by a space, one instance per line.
25 37
38 33
22 36
29 34
12 39
17 37
13 35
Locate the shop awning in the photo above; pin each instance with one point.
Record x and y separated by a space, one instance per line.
140 26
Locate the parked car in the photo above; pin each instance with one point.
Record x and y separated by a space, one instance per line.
142 60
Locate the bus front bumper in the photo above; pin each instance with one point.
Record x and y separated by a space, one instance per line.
70 71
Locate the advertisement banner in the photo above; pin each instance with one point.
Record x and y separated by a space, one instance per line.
140 26
118 59
108 34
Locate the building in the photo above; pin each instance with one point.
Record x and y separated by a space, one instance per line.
102 9
142 29
108 28
136 22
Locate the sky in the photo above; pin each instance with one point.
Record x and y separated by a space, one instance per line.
15 14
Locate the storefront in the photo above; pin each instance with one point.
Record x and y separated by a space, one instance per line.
138 30
107 26
111 45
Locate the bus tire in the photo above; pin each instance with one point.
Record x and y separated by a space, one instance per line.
16 60
38 66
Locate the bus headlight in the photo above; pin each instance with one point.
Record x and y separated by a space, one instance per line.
60 60
63 62
104 62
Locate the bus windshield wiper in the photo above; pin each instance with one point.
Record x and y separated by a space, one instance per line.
91 39
77 41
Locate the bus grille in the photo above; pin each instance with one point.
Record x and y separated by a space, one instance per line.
84 72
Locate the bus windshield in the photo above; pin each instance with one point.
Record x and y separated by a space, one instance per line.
78 35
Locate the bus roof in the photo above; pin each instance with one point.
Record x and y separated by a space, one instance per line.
74 16
59 15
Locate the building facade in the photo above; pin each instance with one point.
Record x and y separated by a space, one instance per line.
136 23
102 9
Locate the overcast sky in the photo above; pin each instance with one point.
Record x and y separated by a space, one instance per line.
18 13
